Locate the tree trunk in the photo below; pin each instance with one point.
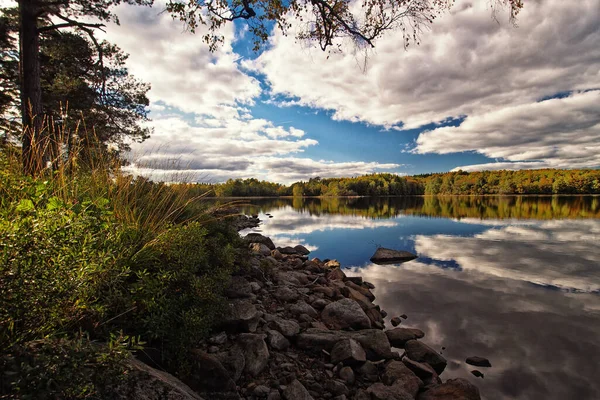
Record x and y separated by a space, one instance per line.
36 146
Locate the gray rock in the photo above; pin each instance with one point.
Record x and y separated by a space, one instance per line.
362 290
277 341
336 275
362 300
420 352
274 395
255 287
288 250
320 304
389 256
379 391
318 339
399 336
258 238
238 288
349 352
255 352
478 374
452 389
356 279
233 361
398 375
422 370
301 250
276 254
479 362
241 315
326 290
345 314
396 321
336 388
375 317
347 375
296 391
375 342
208 374
221 338
286 294
368 371
302 307
261 391
287 327
260 248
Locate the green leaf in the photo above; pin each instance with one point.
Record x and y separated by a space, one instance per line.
25 205
54 203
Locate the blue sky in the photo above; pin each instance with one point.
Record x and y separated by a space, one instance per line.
469 97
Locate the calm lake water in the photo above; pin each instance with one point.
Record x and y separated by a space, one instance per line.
513 279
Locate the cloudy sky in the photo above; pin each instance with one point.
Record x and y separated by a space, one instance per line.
477 93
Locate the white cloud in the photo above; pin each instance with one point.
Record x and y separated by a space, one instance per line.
561 132
467 64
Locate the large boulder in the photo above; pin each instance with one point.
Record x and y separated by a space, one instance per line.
241 316
260 248
207 374
420 352
301 250
345 314
389 256
286 294
379 391
296 391
375 342
479 362
452 389
258 238
349 352
255 352
233 361
277 341
287 327
399 336
318 339
302 307
363 290
238 288
398 375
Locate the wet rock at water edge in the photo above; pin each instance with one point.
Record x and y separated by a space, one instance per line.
399 375
258 238
453 389
477 373
396 321
345 314
389 256
479 362
420 352
288 250
375 342
399 336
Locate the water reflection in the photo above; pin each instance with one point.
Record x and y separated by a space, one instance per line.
514 279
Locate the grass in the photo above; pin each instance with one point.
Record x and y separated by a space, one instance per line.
88 255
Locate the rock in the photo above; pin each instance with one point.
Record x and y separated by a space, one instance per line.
260 248
375 317
213 349
369 372
356 279
277 341
349 352
332 264
320 304
389 256
241 316
255 287
358 297
479 362
422 370
347 375
255 352
368 285
336 275
286 294
420 352
379 391
301 250
374 342
261 391
151 384
258 238
302 307
233 361
345 314
396 321
296 391
452 389
398 375
238 288
221 338
326 290
318 339
288 250
336 388
362 290
404 316
274 395
287 327
477 373
276 254
208 374
399 336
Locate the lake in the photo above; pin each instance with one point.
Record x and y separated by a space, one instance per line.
512 279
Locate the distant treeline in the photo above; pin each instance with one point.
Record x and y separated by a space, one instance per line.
542 181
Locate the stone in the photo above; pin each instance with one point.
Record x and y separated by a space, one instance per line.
286 294
320 304
274 395
258 238
296 391
368 371
379 391
318 339
452 389
358 297
233 361
420 352
347 375
399 336
238 288
326 290
260 248
479 362
375 317
331 264
241 316
383 313
336 387
152 384
336 275
345 314
356 279
301 250
208 374
255 287
276 254
362 290
397 374
255 352
478 374
374 342
422 370
404 316
395 321
302 307
277 341
288 250
349 352
261 391
389 256
221 338
287 327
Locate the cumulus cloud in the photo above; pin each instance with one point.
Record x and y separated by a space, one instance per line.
466 64
557 133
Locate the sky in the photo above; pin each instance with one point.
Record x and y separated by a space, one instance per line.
477 93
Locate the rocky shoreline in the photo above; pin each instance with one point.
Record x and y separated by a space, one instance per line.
297 329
